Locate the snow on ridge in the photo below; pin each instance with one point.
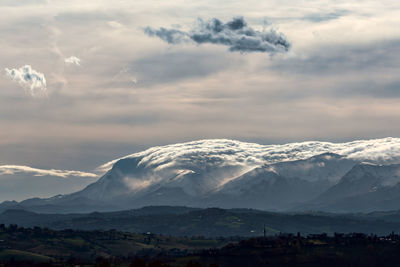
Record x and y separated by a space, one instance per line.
231 152
387 175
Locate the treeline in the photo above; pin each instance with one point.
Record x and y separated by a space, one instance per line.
45 247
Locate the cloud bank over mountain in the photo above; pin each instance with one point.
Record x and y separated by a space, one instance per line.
229 173
230 152
235 34
233 174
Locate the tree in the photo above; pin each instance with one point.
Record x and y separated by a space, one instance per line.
193 264
138 263
103 263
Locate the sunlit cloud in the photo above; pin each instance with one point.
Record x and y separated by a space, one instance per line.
28 78
13 169
230 152
73 61
216 162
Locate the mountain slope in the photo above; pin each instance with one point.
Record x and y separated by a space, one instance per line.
281 185
366 187
130 184
222 173
181 221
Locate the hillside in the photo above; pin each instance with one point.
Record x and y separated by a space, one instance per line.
211 222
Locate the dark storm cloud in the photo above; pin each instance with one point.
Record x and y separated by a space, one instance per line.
235 34
170 36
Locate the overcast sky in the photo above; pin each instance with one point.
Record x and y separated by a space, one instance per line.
84 82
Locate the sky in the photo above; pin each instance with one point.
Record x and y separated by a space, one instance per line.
85 82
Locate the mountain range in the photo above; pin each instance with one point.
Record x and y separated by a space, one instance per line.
358 176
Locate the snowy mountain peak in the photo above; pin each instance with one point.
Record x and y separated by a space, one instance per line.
385 175
200 167
229 173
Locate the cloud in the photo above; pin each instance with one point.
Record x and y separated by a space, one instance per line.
171 36
223 152
115 24
235 34
174 66
73 61
28 78
13 169
13 3
322 17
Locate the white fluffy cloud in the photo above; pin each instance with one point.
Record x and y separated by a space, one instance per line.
73 61
28 78
230 152
13 169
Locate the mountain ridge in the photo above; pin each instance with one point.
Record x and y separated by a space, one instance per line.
215 222
222 172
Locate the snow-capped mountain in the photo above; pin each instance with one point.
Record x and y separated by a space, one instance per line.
230 173
366 187
224 173
282 185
